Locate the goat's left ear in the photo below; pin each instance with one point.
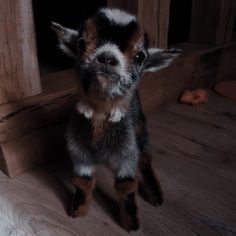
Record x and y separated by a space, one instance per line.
67 39
160 58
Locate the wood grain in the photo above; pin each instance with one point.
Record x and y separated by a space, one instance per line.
198 183
19 73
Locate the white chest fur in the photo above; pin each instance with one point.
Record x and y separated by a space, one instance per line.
115 115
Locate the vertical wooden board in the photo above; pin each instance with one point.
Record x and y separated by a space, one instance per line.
164 16
132 6
154 19
19 73
212 21
204 21
128 5
226 21
117 4
231 20
148 17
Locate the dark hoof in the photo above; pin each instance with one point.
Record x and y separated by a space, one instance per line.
151 195
79 212
130 223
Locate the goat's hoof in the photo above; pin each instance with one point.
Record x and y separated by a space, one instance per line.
130 223
151 195
80 212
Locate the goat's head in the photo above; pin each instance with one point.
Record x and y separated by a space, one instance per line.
111 52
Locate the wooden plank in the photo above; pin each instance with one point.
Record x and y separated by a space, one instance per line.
192 130
222 117
30 126
19 72
26 115
42 145
211 21
154 19
198 153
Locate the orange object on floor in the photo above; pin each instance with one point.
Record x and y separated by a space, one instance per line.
195 97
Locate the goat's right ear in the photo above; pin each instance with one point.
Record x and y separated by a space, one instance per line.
160 58
67 39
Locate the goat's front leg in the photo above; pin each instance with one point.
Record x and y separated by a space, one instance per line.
126 187
85 184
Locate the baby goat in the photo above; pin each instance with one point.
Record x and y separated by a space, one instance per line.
108 126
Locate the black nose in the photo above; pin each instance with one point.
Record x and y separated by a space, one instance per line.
107 59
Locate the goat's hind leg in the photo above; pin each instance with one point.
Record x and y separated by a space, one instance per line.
149 185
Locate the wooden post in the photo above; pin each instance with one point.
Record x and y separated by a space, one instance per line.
19 73
212 21
153 16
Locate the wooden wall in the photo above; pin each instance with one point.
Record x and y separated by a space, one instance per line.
19 73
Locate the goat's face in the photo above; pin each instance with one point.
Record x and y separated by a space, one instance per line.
110 53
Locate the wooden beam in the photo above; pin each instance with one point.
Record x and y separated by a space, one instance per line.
30 127
19 73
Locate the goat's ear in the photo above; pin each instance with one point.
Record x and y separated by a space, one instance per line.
160 58
67 39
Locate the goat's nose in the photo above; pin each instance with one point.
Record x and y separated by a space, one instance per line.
107 59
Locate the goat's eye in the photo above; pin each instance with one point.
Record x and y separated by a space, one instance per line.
140 57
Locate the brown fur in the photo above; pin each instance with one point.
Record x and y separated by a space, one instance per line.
86 186
134 46
100 126
125 187
90 37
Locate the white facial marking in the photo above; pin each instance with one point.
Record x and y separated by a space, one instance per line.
112 49
85 110
121 68
116 114
118 16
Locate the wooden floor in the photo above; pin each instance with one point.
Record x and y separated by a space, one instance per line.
194 152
